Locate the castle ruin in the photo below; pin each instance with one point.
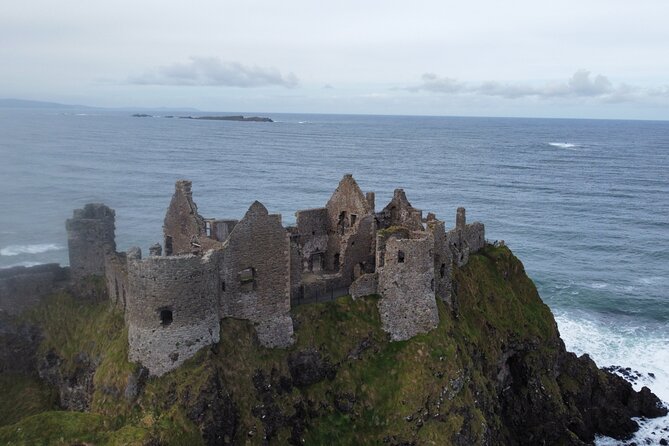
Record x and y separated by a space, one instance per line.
256 269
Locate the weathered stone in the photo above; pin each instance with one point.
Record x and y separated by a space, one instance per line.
406 284
90 237
253 269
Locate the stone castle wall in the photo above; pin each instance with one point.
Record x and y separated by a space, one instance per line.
90 238
407 286
312 236
254 272
443 261
255 268
465 239
184 228
345 209
171 309
116 276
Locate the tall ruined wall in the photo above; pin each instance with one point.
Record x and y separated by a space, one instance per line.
407 286
185 230
90 237
312 237
254 270
116 276
399 212
345 210
22 288
465 239
358 251
171 309
443 261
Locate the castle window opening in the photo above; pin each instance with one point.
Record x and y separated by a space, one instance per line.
223 285
247 279
432 285
207 228
442 270
342 222
336 262
400 256
166 317
353 219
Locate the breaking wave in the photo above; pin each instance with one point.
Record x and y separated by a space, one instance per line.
563 145
15 250
26 264
643 349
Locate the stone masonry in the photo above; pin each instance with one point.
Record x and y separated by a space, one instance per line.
256 269
90 238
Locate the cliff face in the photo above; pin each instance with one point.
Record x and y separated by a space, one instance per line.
494 371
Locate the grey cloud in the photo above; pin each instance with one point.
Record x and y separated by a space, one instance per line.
432 82
581 85
204 71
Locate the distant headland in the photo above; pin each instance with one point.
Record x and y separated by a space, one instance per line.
210 118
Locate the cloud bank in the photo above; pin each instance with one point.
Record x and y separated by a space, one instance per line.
210 71
581 85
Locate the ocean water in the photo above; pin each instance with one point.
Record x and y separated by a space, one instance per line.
583 203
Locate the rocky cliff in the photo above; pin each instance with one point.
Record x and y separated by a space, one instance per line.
494 372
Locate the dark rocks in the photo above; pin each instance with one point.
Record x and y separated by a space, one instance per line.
309 367
605 401
136 382
215 413
75 388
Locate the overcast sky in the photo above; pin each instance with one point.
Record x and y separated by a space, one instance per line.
586 58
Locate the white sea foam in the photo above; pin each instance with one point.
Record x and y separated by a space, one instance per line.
14 250
563 145
644 349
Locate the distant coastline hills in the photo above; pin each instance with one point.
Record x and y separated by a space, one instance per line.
141 112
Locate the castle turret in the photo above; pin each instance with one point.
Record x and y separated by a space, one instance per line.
90 237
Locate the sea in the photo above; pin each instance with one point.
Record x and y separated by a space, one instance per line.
583 203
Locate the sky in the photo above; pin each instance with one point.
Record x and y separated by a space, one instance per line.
575 59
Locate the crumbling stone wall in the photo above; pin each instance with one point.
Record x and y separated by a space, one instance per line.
465 239
345 210
90 238
407 286
251 269
399 212
22 288
254 271
116 275
184 228
358 251
443 261
364 285
312 232
172 309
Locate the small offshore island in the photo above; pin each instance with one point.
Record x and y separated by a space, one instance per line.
211 118
351 327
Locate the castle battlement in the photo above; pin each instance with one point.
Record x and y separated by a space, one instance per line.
256 269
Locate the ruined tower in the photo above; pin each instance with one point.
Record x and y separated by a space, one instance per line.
90 237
